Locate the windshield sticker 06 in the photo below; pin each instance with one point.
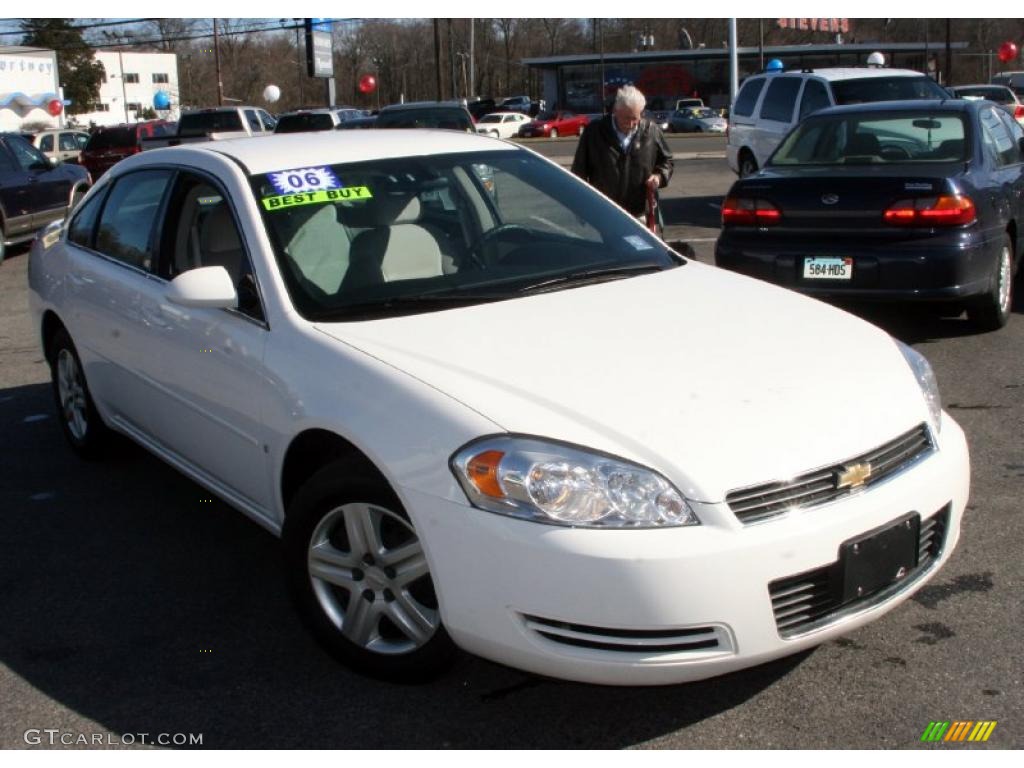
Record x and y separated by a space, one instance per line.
278 202
311 179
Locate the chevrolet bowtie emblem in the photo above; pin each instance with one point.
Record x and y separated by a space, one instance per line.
853 476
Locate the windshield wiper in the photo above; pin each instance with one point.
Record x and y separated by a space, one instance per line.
410 303
587 276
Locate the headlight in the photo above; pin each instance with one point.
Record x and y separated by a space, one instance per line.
552 483
926 380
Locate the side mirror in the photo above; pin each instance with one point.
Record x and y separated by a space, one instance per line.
208 287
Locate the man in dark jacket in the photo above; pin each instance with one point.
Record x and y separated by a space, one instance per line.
623 154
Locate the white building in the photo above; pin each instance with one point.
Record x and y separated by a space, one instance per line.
131 84
28 83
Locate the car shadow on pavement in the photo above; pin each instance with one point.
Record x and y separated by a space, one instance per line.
911 323
132 600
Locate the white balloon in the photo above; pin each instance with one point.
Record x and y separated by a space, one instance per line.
271 93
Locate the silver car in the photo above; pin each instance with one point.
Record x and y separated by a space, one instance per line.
696 120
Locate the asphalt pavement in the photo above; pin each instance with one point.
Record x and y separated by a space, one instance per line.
131 603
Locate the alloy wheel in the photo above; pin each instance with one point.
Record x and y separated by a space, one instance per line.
1005 279
71 391
370 577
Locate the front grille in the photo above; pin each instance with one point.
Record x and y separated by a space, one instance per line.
632 641
815 598
760 502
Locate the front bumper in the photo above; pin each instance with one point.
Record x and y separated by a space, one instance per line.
655 607
941 270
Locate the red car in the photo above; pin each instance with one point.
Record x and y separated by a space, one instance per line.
555 124
108 145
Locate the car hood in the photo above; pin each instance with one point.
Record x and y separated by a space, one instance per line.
716 380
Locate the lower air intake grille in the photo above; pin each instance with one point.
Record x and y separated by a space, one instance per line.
760 502
815 598
634 641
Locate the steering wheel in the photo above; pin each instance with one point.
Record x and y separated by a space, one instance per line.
493 234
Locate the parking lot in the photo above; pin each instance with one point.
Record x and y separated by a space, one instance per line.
134 603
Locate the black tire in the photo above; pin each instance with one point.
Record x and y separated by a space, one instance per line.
3 248
318 513
992 311
748 165
87 434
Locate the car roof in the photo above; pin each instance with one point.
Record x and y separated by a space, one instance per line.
852 73
909 105
264 154
421 105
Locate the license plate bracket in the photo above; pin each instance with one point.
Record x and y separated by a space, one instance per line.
879 558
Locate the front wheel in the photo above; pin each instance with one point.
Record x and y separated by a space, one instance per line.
360 579
992 311
554 133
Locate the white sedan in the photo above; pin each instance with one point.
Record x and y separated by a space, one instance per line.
486 409
501 125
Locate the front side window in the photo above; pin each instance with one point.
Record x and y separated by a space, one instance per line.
780 99
268 121
409 234
68 143
872 138
201 231
46 143
127 223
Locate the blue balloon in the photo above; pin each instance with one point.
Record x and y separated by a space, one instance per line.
162 100
775 65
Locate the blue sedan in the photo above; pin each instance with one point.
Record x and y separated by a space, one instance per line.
912 200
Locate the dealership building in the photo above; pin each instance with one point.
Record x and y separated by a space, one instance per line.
131 83
575 82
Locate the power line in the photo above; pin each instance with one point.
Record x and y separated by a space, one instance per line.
97 25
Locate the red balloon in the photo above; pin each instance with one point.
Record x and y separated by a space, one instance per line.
367 84
54 107
1007 51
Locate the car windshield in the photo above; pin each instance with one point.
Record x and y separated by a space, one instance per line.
314 121
870 89
702 114
453 118
860 139
416 234
108 138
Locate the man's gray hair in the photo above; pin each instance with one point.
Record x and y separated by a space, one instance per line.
630 96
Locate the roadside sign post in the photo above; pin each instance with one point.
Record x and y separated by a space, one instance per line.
320 54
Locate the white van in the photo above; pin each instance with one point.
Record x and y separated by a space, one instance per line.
770 104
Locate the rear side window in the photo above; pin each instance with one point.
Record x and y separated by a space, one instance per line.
68 143
84 221
126 225
747 97
999 145
254 122
780 99
46 143
815 97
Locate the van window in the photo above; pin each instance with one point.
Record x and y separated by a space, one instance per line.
747 97
815 97
780 99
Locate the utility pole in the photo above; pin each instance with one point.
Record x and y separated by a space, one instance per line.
298 61
472 67
451 61
437 57
734 63
949 57
216 63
